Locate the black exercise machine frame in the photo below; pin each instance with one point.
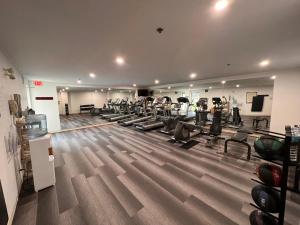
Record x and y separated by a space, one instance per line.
285 163
240 137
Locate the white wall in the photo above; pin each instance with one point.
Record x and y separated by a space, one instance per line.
77 98
63 98
286 100
48 107
239 95
9 175
85 98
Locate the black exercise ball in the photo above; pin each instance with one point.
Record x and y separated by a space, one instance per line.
266 198
269 147
260 218
269 174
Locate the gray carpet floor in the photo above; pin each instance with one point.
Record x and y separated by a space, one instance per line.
112 175
79 120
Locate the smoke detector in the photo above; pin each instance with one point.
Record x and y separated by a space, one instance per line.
160 30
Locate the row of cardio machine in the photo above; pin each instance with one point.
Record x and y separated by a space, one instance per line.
148 113
182 120
185 131
211 130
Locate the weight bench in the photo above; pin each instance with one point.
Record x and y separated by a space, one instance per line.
240 137
256 122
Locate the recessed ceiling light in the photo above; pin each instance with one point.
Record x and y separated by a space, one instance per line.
67 88
221 5
63 89
92 75
191 85
273 77
169 87
109 89
79 81
193 75
134 85
120 60
156 81
223 82
264 63
237 85
210 87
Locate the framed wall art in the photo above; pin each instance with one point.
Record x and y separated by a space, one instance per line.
249 97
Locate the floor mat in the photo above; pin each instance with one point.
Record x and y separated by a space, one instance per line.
172 141
190 144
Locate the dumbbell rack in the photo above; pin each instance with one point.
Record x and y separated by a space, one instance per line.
285 163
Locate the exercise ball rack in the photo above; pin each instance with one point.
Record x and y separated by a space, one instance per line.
285 163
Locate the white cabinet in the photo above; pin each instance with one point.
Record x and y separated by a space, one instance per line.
42 163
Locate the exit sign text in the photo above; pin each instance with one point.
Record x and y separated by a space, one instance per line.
37 83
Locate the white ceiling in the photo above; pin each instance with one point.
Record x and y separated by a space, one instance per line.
243 83
91 89
63 40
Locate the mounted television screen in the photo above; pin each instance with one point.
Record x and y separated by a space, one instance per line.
143 92
257 103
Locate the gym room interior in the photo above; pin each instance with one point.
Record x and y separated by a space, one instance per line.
128 112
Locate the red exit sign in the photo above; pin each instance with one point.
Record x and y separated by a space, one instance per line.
37 83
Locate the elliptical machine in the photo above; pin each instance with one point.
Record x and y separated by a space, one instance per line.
215 129
170 122
183 130
236 117
201 111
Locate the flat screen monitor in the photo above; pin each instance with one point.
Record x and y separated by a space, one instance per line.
143 92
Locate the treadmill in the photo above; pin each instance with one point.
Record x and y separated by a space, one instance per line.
156 122
109 109
144 104
123 109
179 113
120 117
106 109
115 108
126 112
185 111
